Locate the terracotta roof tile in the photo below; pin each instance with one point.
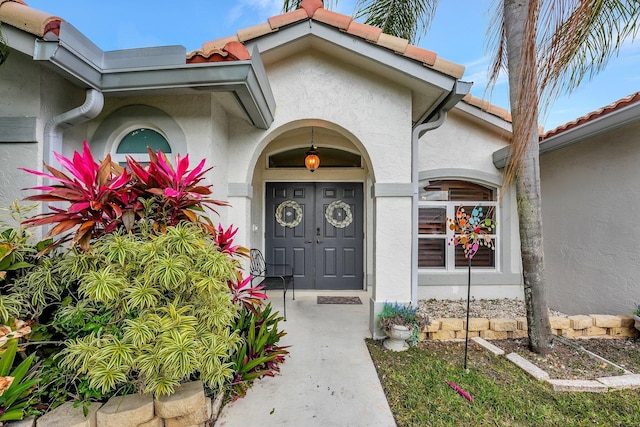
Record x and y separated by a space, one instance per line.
394 43
218 43
448 67
255 32
337 20
232 51
608 109
313 9
17 14
423 55
367 32
311 6
280 21
488 107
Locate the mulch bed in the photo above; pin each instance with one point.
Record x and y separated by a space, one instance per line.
566 362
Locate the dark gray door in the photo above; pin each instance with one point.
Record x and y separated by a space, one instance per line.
317 227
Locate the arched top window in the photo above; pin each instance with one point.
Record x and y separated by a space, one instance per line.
454 190
135 144
131 129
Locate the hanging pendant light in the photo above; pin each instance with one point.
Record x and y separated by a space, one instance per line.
312 160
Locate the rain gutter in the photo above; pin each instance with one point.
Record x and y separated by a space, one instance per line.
433 121
56 127
156 70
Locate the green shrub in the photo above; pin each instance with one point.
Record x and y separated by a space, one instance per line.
16 385
154 310
259 354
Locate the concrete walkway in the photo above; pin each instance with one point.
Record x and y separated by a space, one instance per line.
329 378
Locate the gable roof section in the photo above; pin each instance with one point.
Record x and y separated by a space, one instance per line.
313 10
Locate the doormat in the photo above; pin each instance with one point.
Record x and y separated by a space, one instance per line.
338 300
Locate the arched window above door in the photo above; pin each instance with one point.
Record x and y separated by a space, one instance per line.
329 158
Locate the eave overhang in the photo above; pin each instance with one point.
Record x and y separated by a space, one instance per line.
151 71
605 123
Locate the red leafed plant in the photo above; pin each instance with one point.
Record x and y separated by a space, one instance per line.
97 195
243 292
105 197
177 192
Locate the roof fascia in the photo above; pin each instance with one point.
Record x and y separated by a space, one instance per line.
157 70
19 40
353 45
608 122
491 119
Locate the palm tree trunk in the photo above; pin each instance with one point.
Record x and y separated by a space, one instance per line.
519 24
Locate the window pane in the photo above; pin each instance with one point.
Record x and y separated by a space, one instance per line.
432 221
488 212
485 257
431 252
138 140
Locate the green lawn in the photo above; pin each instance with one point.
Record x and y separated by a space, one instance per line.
415 383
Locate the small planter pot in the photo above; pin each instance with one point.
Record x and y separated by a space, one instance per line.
398 336
637 324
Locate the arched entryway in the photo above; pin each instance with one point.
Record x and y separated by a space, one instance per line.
315 221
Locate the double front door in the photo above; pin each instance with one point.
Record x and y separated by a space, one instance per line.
318 228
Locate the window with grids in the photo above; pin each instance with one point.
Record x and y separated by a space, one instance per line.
438 201
135 144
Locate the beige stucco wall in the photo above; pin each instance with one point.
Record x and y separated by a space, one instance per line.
462 149
589 207
201 119
28 91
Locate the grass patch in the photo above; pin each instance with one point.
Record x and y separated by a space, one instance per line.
415 383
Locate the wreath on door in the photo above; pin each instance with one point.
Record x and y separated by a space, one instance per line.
339 223
293 223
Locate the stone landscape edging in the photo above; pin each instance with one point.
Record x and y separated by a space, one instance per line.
574 327
188 406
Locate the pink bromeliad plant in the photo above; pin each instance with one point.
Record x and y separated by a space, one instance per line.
105 197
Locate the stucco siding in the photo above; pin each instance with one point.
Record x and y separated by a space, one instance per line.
590 200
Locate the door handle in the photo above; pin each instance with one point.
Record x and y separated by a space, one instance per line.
318 241
308 241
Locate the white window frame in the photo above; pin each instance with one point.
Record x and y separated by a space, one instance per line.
121 158
450 212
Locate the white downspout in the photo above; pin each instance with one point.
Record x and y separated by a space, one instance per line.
56 127
418 131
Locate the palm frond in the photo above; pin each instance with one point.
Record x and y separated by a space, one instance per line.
578 38
408 19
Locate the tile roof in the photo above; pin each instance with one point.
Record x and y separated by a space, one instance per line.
18 14
488 107
609 109
312 9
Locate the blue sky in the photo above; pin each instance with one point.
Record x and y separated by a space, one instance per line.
457 34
